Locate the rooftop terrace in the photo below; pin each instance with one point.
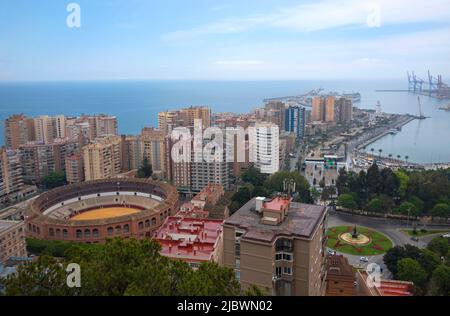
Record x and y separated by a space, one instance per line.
189 239
302 221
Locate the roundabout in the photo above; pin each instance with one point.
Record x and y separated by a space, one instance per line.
359 241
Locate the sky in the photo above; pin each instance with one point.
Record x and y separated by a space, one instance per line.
223 40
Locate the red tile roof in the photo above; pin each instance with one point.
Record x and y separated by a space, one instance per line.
189 239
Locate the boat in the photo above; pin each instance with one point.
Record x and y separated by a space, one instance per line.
393 131
445 108
356 97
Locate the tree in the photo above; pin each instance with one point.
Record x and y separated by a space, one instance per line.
440 210
429 260
242 196
374 205
410 270
408 208
374 181
275 184
254 176
440 281
439 245
54 180
397 253
342 182
43 277
347 201
390 183
122 267
146 170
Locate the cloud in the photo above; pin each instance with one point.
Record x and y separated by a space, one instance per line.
326 14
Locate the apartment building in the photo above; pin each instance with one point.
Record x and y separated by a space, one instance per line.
295 120
213 170
332 109
345 112
39 159
18 130
318 109
11 179
103 159
74 169
265 147
12 240
169 120
278 245
153 148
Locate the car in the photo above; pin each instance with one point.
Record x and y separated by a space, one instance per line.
331 252
364 259
446 235
414 238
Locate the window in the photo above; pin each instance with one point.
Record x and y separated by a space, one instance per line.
126 228
79 233
95 233
147 223
51 232
110 231
87 233
278 271
118 230
287 270
141 225
284 245
58 232
153 221
65 233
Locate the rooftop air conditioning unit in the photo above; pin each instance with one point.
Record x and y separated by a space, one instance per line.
259 204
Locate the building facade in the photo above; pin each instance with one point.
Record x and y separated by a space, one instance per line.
12 240
295 120
18 130
39 159
74 169
103 159
265 147
279 246
11 179
153 148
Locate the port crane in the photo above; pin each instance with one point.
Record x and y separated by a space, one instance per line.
433 87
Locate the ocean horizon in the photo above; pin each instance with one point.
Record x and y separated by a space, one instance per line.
136 104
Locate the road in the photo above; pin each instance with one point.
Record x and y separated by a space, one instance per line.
389 227
293 161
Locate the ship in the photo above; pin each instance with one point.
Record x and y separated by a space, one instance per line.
445 108
356 97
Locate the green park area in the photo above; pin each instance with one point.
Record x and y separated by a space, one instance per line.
365 242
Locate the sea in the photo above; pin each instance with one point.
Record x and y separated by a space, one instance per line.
137 103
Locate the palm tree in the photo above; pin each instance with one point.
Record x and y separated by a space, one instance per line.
380 151
372 150
406 159
398 157
390 157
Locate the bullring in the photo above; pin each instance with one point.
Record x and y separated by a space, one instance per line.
93 211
